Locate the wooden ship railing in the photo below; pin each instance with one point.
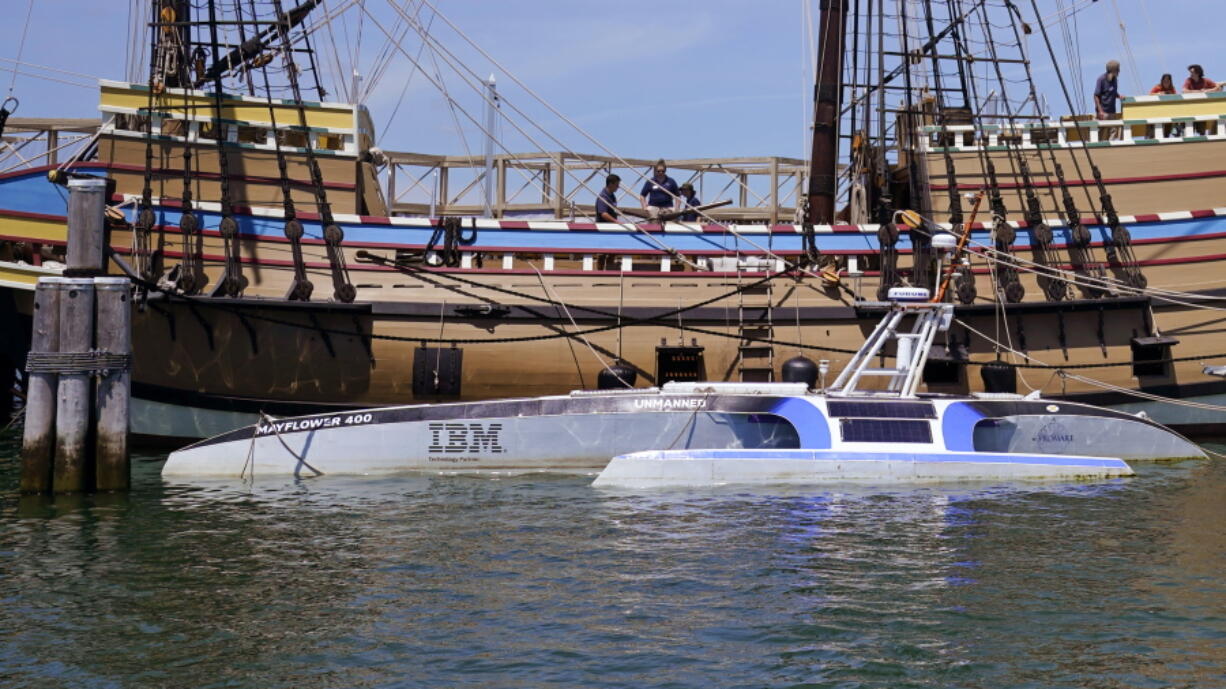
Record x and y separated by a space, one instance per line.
564 185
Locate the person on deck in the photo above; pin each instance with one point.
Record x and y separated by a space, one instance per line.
689 201
1107 92
661 191
1198 83
606 202
1165 87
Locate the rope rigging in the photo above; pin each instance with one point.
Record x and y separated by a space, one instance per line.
232 281
343 289
300 288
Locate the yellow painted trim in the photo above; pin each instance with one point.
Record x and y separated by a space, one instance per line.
34 229
1174 108
22 276
286 114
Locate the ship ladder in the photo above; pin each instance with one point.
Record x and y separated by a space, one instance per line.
756 354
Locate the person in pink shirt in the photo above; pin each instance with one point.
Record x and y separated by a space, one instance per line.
1198 83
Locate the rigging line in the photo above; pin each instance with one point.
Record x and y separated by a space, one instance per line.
336 59
570 341
548 106
451 104
408 80
664 247
1060 371
21 46
44 77
1132 60
448 55
384 58
1088 281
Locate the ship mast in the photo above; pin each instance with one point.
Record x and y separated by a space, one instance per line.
827 98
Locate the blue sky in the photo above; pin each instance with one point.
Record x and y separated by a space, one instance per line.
676 79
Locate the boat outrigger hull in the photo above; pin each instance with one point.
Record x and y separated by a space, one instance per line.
581 432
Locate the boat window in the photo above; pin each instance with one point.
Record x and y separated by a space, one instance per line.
252 135
209 130
766 431
330 142
880 410
994 435
291 138
885 431
131 123
173 127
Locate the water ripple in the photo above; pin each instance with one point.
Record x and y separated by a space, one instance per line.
541 581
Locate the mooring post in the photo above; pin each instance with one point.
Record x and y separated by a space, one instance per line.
114 337
86 227
73 400
38 438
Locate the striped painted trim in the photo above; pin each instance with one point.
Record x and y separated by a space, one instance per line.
1165 98
235 97
129 134
670 228
164 115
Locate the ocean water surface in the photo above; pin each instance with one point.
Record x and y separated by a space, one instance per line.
544 581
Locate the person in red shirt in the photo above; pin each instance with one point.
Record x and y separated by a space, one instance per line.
1197 83
1165 87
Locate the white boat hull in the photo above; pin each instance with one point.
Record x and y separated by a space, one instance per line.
714 467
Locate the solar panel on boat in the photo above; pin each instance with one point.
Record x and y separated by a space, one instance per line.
885 431
880 410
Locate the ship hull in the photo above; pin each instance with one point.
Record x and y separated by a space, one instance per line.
542 308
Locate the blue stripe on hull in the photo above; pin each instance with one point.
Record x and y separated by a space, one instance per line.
32 193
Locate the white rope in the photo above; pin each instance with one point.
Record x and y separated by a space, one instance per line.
1132 60
1093 381
445 54
474 84
44 77
21 46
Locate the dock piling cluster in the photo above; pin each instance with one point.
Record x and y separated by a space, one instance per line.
76 428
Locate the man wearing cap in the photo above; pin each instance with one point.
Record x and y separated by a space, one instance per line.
660 192
689 201
606 202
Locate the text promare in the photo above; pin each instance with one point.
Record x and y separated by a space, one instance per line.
465 437
312 424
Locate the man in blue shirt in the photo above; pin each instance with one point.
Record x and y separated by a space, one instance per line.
689 201
1107 92
660 192
606 202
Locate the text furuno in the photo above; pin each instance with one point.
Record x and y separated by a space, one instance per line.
466 438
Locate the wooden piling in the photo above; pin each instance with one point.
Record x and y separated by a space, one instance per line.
38 439
114 336
72 465
86 227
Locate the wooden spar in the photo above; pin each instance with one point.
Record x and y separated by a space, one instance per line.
38 437
673 215
827 96
114 336
72 410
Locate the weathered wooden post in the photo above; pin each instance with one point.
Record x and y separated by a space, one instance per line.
38 438
114 342
72 469
73 401
86 227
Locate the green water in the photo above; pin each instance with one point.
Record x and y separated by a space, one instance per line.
545 582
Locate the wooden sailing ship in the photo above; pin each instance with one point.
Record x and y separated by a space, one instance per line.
272 279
